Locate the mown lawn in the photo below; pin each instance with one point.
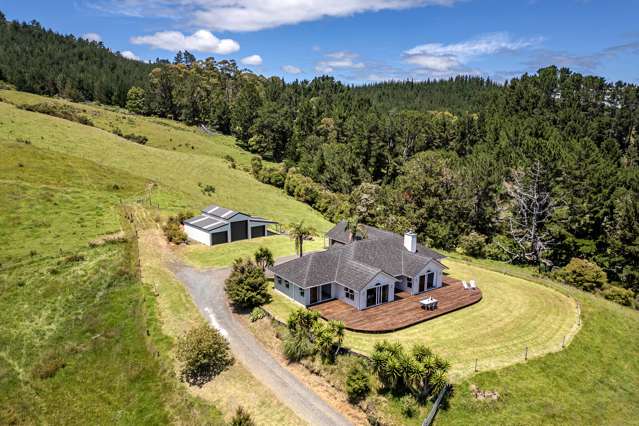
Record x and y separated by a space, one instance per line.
595 380
76 336
514 313
221 255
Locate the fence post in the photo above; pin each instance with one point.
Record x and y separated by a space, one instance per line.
475 365
563 343
526 353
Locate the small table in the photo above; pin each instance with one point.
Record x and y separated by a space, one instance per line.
429 303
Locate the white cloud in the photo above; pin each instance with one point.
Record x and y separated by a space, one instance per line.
291 69
130 55
199 41
252 60
442 58
338 60
92 37
253 15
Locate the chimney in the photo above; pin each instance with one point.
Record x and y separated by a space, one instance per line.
410 241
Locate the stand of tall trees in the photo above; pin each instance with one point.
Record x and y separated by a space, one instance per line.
41 61
545 166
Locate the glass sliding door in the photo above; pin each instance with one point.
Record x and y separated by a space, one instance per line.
326 292
430 282
383 294
376 295
371 297
321 293
314 295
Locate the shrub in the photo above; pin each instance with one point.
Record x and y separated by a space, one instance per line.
256 165
473 244
419 372
257 314
231 161
495 250
204 353
583 274
297 347
63 111
408 405
140 139
358 383
206 189
327 339
174 233
264 258
308 336
247 287
623 296
173 228
242 418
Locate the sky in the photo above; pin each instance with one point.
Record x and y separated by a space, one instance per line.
360 41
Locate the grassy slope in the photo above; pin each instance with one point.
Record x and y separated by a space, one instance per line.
595 380
224 254
176 173
62 189
513 313
73 338
162 133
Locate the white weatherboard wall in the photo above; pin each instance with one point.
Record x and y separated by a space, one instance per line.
197 234
379 280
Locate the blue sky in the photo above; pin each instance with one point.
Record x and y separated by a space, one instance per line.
360 41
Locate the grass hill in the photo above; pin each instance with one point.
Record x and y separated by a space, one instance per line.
78 334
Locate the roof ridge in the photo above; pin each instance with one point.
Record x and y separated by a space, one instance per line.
308 267
339 261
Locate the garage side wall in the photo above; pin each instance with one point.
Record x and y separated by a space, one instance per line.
197 234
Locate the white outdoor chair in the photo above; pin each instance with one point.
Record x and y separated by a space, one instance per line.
473 286
466 287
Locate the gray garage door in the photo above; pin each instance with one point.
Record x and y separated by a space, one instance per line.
239 230
219 237
258 231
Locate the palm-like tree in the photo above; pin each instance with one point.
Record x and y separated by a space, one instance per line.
298 233
356 228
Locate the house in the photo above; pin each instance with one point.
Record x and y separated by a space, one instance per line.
217 225
362 272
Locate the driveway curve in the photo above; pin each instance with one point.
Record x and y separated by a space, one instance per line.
207 291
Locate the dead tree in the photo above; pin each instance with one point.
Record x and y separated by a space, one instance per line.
532 207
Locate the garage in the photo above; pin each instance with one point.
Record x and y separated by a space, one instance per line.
219 237
219 225
239 230
258 231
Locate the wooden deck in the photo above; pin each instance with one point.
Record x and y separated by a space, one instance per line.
403 312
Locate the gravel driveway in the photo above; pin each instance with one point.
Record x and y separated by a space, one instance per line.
207 290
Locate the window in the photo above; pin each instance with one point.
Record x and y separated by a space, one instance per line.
409 282
286 284
349 293
278 280
302 292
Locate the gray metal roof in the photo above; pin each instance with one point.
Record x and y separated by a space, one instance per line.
355 264
214 217
206 223
221 212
